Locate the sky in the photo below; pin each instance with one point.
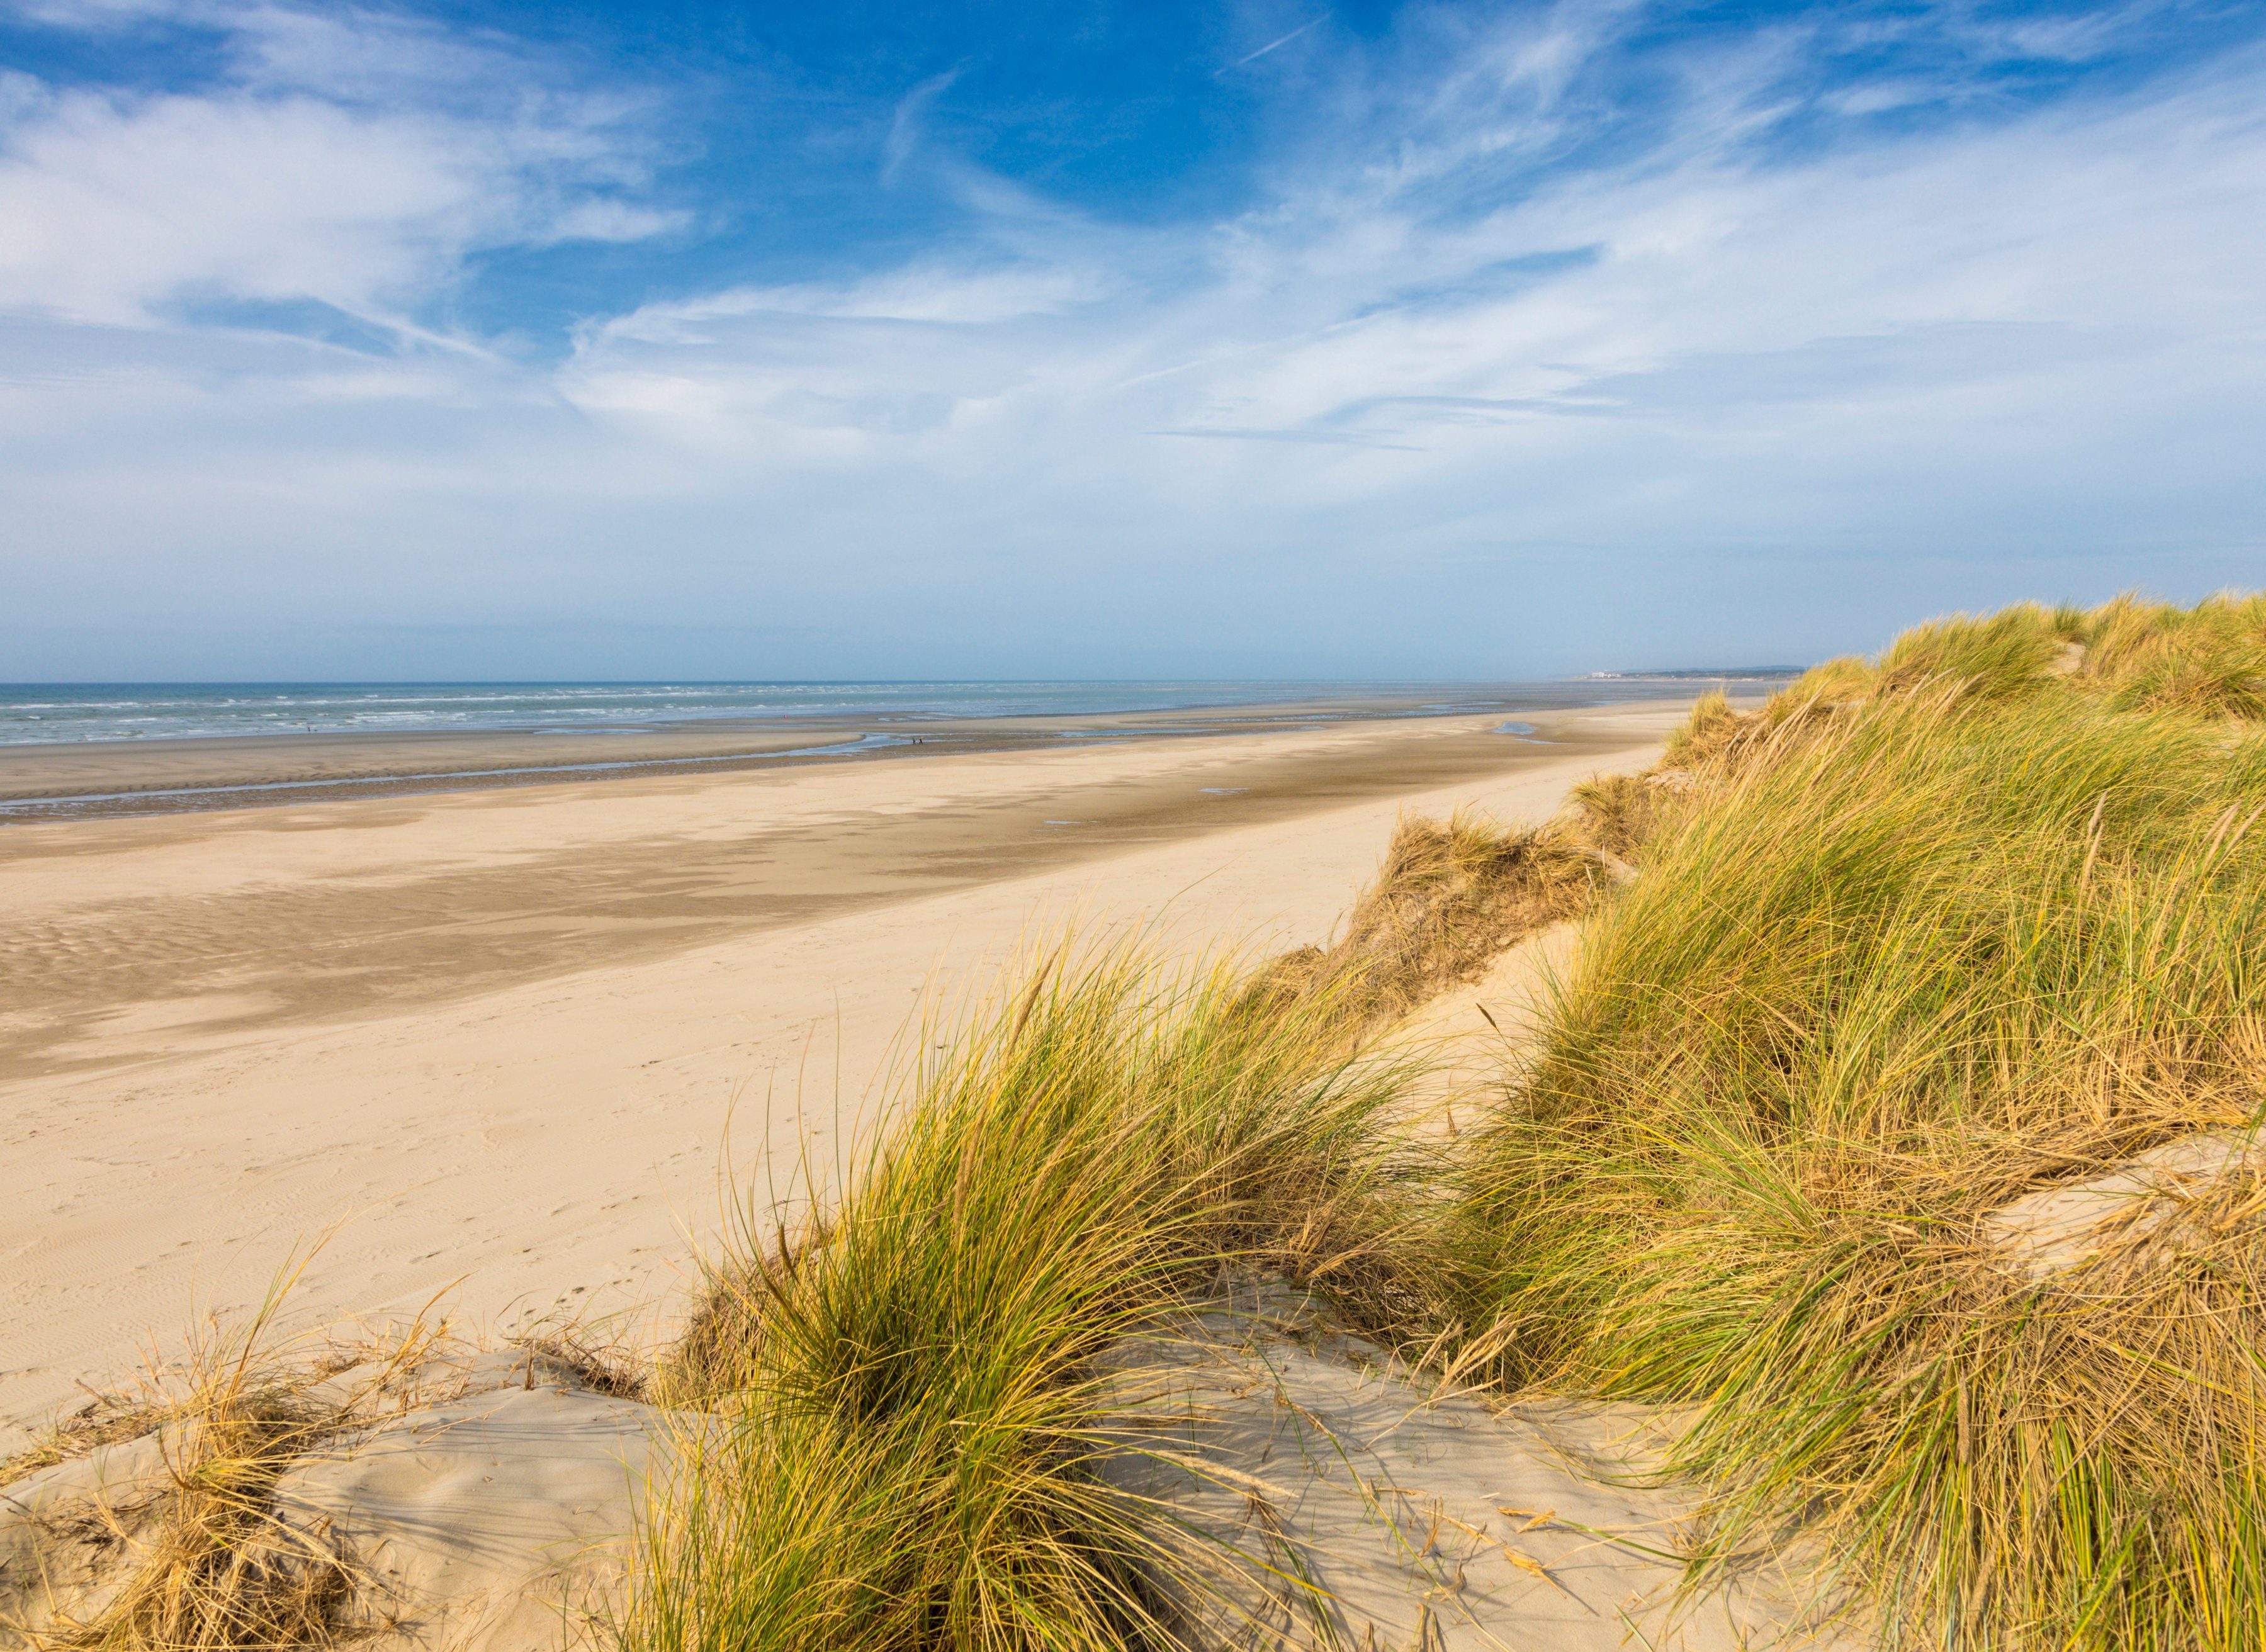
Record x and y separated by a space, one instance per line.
1110 338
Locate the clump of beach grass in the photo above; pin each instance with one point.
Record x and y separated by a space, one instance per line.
904 1391
191 1551
1934 934
2222 674
1450 897
1706 733
1614 812
218 1571
2134 653
212 1565
1992 657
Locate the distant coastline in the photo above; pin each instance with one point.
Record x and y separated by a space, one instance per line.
1703 673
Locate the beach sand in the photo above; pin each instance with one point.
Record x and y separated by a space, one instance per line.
514 1048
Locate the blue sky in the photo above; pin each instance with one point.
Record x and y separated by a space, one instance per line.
1158 339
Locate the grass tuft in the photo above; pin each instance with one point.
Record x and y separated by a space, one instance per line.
213 1569
1614 812
1992 657
2219 676
906 1386
1451 897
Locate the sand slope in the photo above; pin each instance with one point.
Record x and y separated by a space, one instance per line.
1323 1494
1335 1498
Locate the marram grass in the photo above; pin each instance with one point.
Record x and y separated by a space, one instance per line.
1985 924
1924 934
1449 898
903 1397
204 1560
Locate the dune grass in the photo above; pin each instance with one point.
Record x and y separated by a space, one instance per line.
219 1571
906 1385
209 1566
185 1549
1924 934
107 1418
1449 898
2131 652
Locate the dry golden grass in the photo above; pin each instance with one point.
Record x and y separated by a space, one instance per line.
218 1571
107 1418
211 1567
1614 812
209 1564
597 1360
1449 898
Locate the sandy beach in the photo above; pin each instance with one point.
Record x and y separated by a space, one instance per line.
1430 828
501 1045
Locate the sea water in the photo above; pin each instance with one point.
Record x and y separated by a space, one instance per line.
49 713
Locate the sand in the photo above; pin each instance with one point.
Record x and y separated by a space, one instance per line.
513 1048
1337 1498
489 1502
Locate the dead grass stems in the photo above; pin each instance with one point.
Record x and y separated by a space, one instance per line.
209 1563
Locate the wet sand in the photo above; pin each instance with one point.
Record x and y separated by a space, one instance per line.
496 1037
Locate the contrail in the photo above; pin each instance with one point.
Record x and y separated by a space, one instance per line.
1271 45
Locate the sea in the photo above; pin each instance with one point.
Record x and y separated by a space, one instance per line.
55 713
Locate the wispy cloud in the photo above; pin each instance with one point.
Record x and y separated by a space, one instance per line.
1531 331
906 120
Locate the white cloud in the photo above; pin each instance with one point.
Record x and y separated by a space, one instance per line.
1415 410
1344 307
106 213
356 162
